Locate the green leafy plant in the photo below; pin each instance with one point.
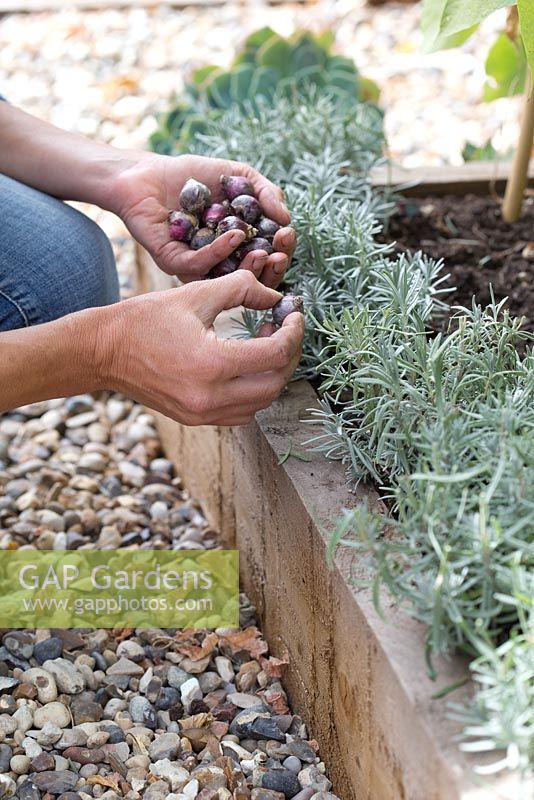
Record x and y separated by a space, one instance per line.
267 65
509 66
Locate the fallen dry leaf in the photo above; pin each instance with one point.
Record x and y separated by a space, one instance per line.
249 639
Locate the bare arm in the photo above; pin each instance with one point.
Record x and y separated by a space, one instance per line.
161 350
57 162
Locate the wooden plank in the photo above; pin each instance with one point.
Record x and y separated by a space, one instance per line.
476 177
28 6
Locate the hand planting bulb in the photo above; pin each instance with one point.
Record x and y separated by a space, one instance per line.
235 185
286 306
182 226
195 196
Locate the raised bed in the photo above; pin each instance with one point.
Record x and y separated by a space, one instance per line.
359 681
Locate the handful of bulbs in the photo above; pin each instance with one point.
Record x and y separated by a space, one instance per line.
200 221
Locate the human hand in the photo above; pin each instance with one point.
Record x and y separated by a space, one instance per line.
144 192
161 350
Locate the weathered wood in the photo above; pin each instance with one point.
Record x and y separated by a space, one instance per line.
476 177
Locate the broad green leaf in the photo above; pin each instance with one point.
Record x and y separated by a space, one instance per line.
368 89
275 53
200 75
306 53
505 68
240 80
308 75
218 90
259 37
486 152
431 17
526 21
264 81
326 39
343 80
458 15
341 62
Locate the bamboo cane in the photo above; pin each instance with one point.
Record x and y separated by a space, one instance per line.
515 188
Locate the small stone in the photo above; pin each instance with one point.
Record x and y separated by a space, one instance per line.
7 684
55 782
242 700
24 718
131 650
176 677
255 723
190 690
54 713
67 677
225 668
312 776
25 691
5 757
321 796
85 711
166 745
19 643
49 735
8 787
48 649
171 771
83 755
31 747
20 764
43 762
72 737
124 666
281 780
265 794
305 794
81 420
7 724
27 790
292 763
142 711
167 698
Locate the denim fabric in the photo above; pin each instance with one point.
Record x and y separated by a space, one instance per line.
53 259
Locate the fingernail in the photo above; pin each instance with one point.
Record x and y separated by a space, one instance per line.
280 266
236 238
284 208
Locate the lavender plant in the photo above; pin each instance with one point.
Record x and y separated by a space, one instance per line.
444 424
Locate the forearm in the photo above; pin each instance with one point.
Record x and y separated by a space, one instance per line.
56 359
62 164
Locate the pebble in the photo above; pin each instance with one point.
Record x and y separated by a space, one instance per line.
5 757
176 677
281 780
43 762
67 677
166 745
292 763
52 713
190 691
142 711
55 782
171 771
20 764
84 755
7 684
48 649
44 683
49 734
8 786
312 776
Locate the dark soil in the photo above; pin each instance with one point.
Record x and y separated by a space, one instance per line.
479 249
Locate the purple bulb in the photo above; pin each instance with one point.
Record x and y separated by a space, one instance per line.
234 185
254 244
235 224
195 196
247 208
267 228
224 267
215 213
182 226
286 306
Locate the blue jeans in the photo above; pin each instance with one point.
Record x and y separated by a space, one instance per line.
53 259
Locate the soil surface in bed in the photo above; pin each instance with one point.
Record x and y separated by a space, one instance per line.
479 249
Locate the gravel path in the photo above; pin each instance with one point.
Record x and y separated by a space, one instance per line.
137 713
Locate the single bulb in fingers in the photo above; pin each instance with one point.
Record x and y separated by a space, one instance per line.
202 238
286 306
235 224
254 244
